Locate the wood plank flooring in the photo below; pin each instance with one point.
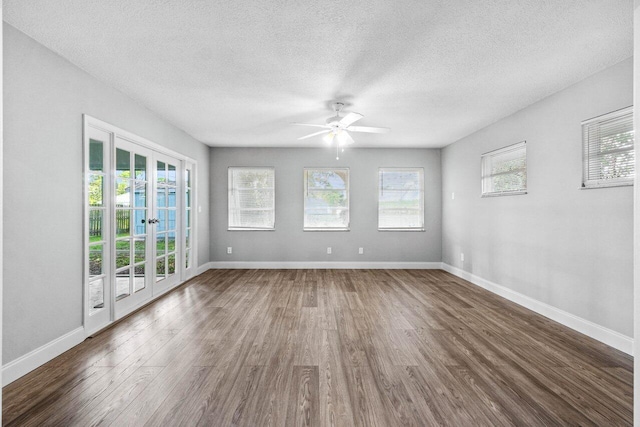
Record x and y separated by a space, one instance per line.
329 347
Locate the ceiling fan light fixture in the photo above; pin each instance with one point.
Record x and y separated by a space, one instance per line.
342 137
328 138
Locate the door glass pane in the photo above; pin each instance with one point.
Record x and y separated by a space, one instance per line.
171 264
187 238
96 190
161 201
139 253
160 267
141 167
187 177
171 197
160 244
96 156
140 194
123 197
188 218
171 175
95 260
123 163
123 253
123 222
171 242
162 173
138 278
187 198
123 283
187 256
140 220
162 220
96 295
96 225
171 221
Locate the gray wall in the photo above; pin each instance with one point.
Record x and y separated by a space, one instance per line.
289 243
44 99
561 245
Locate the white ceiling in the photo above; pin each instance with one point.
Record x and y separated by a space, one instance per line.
237 73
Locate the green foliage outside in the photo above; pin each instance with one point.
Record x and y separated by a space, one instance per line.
509 175
614 163
324 180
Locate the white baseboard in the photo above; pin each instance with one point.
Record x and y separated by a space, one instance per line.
593 330
324 265
41 355
204 267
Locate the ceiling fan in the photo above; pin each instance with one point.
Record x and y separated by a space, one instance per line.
339 127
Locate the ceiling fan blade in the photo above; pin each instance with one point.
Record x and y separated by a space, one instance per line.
314 134
349 119
309 124
368 129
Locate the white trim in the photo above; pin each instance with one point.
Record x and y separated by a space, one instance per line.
593 330
204 267
132 137
323 265
41 355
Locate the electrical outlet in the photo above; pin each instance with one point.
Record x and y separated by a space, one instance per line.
361 251
462 256
453 195
329 250
229 250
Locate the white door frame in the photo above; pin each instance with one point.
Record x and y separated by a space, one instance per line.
89 125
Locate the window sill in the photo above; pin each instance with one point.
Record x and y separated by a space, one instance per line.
506 193
401 229
251 229
607 185
326 229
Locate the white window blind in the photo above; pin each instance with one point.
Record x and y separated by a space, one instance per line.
401 199
251 198
326 199
608 154
504 171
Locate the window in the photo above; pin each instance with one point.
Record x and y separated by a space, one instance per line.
401 199
251 198
326 199
608 155
504 171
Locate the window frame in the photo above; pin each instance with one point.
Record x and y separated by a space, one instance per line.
230 188
522 145
422 198
587 183
304 196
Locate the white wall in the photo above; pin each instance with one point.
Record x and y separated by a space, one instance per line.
288 243
44 99
560 245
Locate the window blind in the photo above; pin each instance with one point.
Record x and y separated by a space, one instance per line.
326 199
608 153
401 199
251 198
504 171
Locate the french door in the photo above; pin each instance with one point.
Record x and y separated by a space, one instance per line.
131 234
167 254
138 223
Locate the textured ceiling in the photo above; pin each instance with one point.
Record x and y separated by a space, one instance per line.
237 73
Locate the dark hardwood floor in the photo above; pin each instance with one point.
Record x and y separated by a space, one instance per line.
329 347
